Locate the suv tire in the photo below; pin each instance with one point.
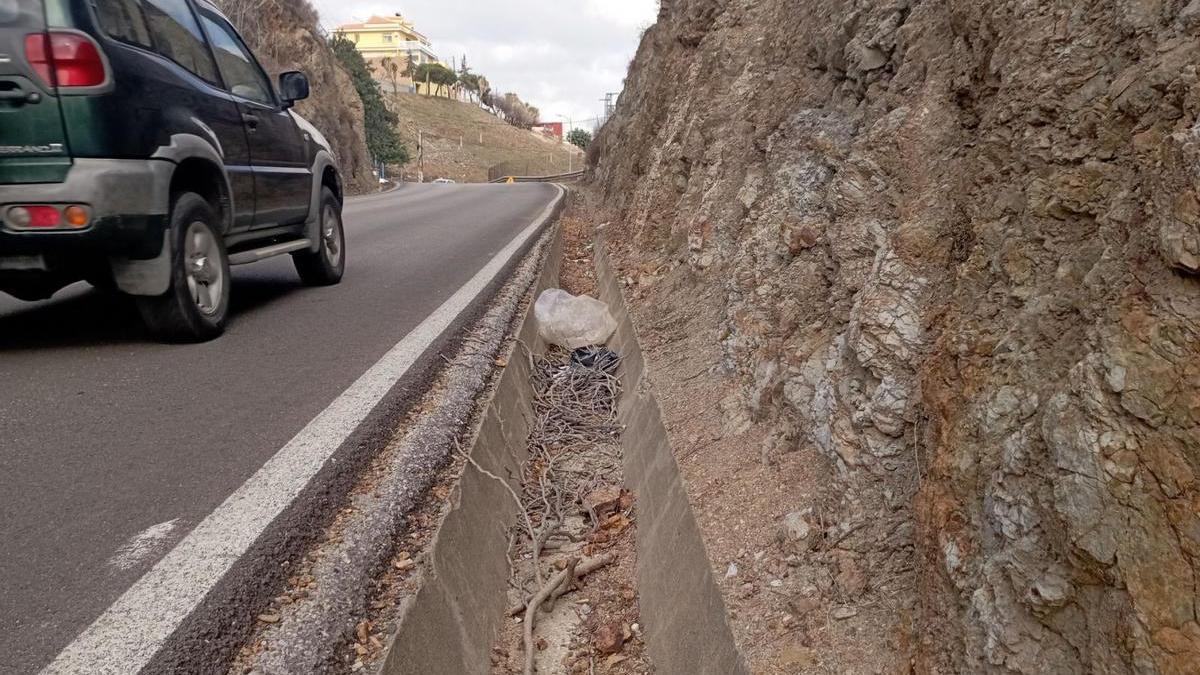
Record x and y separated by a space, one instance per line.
196 305
326 266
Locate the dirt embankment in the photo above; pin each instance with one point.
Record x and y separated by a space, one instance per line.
462 141
285 35
932 268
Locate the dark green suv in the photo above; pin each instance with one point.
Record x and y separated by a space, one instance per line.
143 148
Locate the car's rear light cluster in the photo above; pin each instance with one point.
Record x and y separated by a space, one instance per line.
47 217
66 60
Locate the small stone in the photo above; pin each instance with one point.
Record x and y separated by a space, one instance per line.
844 612
405 564
268 618
1050 590
794 528
1190 15
872 58
608 639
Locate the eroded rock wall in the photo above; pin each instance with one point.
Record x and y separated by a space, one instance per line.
957 247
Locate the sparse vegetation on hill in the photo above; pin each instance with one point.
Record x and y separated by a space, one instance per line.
382 140
580 138
513 110
445 124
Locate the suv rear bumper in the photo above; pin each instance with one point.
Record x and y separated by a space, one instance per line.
129 200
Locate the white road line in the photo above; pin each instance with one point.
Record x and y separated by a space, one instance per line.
130 632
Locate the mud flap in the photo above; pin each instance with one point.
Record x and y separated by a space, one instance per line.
145 277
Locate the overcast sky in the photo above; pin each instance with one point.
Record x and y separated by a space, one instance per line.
563 57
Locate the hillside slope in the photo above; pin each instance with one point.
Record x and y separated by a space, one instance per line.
945 256
444 123
284 35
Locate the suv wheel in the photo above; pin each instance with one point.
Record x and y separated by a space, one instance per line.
196 305
326 266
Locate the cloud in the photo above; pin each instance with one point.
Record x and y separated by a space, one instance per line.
562 57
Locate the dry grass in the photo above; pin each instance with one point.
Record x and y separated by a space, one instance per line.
444 123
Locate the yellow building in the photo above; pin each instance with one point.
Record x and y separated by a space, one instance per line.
391 37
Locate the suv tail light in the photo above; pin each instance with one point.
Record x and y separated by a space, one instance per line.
66 59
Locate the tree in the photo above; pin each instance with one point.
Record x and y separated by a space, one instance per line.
382 138
515 111
470 83
436 73
392 70
579 137
486 96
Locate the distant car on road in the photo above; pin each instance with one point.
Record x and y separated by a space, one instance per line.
443 181
143 148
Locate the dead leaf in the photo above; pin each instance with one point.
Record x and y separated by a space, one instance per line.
615 659
626 500
501 362
405 564
617 523
603 500
363 630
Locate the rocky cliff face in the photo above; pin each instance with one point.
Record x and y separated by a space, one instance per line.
955 248
285 35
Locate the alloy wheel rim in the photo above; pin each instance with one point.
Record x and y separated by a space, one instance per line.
205 275
331 241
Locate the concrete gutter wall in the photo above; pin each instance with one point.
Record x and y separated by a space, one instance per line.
450 624
687 627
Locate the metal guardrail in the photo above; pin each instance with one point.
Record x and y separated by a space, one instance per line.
574 175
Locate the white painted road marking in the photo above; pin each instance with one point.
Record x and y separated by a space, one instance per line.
130 632
143 545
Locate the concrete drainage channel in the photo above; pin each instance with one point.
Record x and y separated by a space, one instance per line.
452 622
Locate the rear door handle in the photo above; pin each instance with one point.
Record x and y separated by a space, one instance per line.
20 96
251 121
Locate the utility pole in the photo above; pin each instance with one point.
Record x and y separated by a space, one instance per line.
420 156
567 132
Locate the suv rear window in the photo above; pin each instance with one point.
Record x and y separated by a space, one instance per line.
123 20
167 26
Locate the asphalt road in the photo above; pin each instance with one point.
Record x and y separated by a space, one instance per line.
113 447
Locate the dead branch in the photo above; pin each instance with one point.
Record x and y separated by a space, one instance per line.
547 589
